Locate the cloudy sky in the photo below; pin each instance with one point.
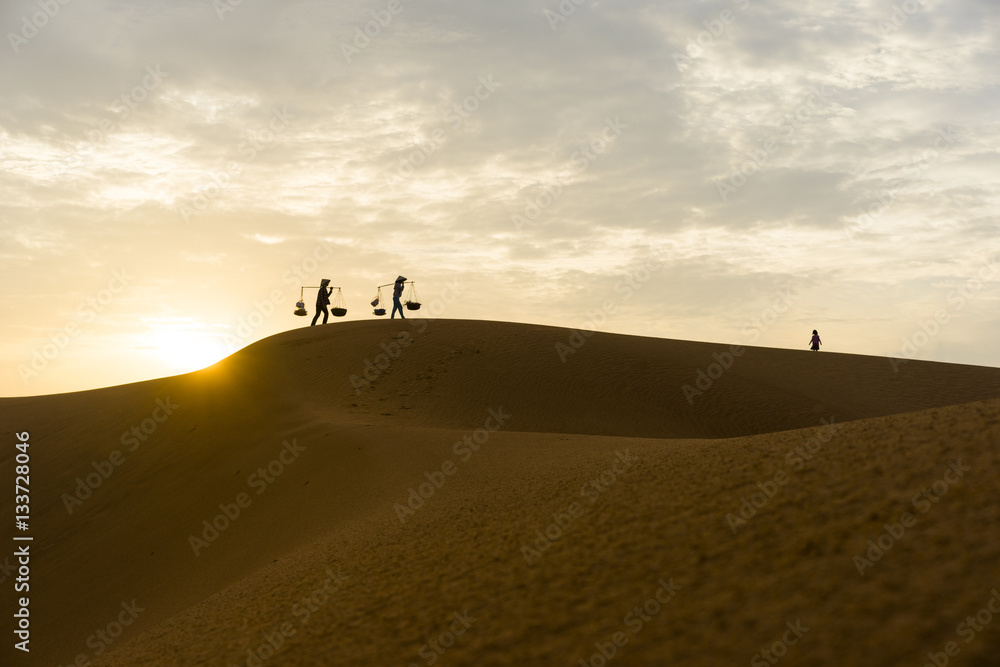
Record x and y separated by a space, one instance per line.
740 171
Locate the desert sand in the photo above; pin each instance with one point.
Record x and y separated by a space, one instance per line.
488 498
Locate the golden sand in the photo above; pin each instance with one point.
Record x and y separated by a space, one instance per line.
482 499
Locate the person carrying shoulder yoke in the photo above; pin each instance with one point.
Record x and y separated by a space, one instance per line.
397 291
322 301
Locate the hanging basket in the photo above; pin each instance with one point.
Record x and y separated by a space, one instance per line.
338 306
377 304
412 302
300 309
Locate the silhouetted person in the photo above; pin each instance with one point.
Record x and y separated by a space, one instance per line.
397 291
815 342
322 301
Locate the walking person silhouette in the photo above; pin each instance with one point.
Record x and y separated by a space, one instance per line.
397 291
322 301
815 341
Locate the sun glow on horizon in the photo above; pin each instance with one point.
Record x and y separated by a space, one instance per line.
187 346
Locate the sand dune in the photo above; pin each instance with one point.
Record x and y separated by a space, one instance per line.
446 371
561 494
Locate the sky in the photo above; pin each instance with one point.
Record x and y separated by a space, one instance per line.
172 173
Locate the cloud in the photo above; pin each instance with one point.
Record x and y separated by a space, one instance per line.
143 135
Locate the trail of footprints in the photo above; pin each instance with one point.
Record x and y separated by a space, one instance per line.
423 383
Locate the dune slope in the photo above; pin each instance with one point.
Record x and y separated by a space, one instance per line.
442 372
500 557
317 457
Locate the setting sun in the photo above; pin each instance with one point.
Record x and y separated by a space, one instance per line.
187 347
